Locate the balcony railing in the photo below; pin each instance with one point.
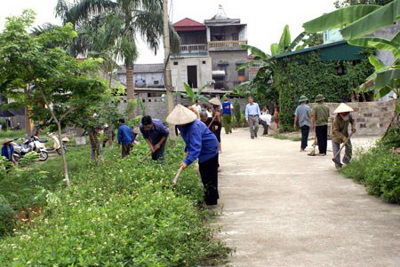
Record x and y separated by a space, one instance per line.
226 45
194 49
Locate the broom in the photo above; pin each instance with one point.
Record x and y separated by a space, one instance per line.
312 153
340 150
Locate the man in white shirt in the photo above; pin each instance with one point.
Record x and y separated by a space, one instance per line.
265 120
197 106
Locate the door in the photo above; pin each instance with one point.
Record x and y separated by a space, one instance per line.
192 76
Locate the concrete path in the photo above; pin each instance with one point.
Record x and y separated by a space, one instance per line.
281 207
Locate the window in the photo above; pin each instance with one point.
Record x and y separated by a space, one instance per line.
241 73
175 63
235 37
156 82
204 62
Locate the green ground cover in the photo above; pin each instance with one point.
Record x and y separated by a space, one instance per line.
379 168
122 212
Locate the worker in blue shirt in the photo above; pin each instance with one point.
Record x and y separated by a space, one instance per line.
125 137
252 114
8 150
155 133
201 144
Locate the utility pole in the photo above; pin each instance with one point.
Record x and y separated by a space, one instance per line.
167 66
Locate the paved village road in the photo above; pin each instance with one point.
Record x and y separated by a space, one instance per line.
281 207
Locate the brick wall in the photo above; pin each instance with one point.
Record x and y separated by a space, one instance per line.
372 118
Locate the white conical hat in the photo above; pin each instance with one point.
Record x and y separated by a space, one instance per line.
215 101
343 108
181 115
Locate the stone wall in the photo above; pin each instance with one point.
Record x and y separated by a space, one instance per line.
372 118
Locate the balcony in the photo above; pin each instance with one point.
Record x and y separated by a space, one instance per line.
194 49
226 45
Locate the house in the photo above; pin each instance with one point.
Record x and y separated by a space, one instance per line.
210 52
145 75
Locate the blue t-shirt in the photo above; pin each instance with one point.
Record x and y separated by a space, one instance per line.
200 142
303 112
125 135
226 108
158 131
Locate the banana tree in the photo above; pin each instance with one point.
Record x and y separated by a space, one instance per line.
266 82
194 95
357 23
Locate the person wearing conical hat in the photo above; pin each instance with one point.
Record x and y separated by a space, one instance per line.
319 117
201 144
8 150
340 133
302 117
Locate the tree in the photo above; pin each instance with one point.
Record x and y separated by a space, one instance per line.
121 21
266 82
60 85
194 95
357 23
347 3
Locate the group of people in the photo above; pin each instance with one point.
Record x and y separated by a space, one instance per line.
317 118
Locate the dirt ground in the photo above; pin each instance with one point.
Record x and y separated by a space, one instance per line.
280 207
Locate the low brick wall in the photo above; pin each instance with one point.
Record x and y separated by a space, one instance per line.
372 118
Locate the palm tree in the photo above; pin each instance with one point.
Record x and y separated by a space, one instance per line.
120 22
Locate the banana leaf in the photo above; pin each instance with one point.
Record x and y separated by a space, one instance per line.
286 39
382 17
339 18
377 43
375 61
256 52
387 78
275 49
296 41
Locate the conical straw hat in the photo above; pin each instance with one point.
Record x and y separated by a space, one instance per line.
181 115
7 140
343 108
215 101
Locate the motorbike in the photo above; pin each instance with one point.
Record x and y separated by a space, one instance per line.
29 145
57 146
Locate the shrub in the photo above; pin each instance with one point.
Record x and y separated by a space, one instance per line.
378 169
6 215
121 213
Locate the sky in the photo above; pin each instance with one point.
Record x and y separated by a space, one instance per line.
265 18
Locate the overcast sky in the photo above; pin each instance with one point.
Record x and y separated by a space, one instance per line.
265 18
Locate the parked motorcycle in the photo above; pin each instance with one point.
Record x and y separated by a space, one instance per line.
56 143
20 150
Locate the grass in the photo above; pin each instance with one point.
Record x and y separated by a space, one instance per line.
288 136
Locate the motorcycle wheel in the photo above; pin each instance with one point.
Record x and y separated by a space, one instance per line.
43 156
59 151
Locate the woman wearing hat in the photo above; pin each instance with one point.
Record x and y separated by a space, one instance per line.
201 144
340 134
320 116
8 150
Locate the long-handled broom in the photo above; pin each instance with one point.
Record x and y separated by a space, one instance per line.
340 150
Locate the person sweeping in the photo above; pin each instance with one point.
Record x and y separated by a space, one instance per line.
201 144
340 134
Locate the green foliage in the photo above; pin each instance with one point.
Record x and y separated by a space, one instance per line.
123 212
6 215
308 75
28 159
194 95
379 169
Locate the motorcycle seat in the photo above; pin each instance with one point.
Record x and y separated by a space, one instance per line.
43 141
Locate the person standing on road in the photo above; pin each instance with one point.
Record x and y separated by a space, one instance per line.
155 133
125 138
227 109
320 116
265 120
340 134
302 117
201 144
252 114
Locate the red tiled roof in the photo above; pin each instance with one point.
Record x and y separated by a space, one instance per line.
187 24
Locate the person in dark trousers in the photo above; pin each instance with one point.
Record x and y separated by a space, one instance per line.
8 150
320 116
252 114
155 133
125 138
201 144
265 120
302 119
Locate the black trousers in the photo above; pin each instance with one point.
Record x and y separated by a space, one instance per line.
265 126
159 154
322 138
209 177
305 130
